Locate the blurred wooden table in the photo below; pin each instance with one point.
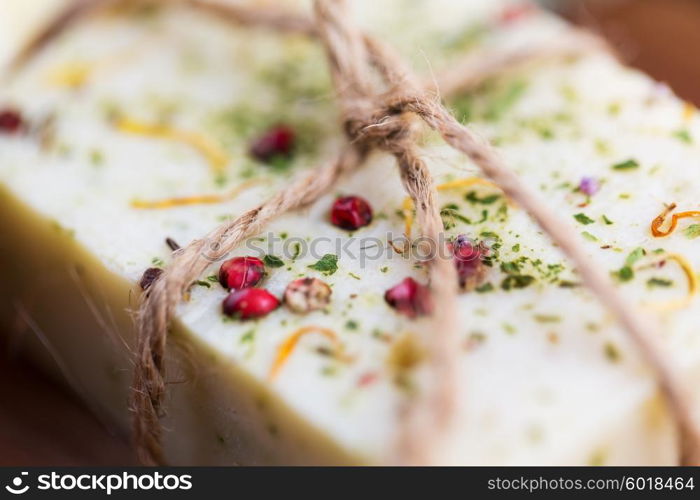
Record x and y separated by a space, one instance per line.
660 37
42 425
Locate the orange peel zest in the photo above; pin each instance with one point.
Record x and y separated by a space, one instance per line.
290 343
211 151
693 286
206 199
659 221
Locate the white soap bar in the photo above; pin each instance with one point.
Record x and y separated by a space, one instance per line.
548 377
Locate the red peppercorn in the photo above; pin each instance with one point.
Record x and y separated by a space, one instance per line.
307 294
469 261
351 212
241 272
409 298
250 303
367 379
514 13
10 121
276 142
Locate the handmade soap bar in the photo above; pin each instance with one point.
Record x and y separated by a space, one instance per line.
157 124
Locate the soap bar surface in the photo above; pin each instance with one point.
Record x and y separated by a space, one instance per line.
143 109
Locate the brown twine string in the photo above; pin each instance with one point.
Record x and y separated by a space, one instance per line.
464 75
383 120
472 70
428 417
159 303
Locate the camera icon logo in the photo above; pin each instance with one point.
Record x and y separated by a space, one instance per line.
16 487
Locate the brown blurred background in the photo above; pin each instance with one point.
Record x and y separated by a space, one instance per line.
40 424
661 37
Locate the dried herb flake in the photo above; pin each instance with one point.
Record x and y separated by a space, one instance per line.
583 219
272 261
327 265
630 164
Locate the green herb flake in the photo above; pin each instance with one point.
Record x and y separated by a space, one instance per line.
329 371
505 100
602 147
502 213
351 324
630 164
280 163
583 219
612 352
510 329
472 197
547 318
355 276
97 157
517 282
272 261
589 236
327 265
485 288
490 104
659 283
203 283
569 93
450 214
220 180
683 135
248 337
466 38
626 273
512 267
568 284
635 256
691 232
614 108
607 221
